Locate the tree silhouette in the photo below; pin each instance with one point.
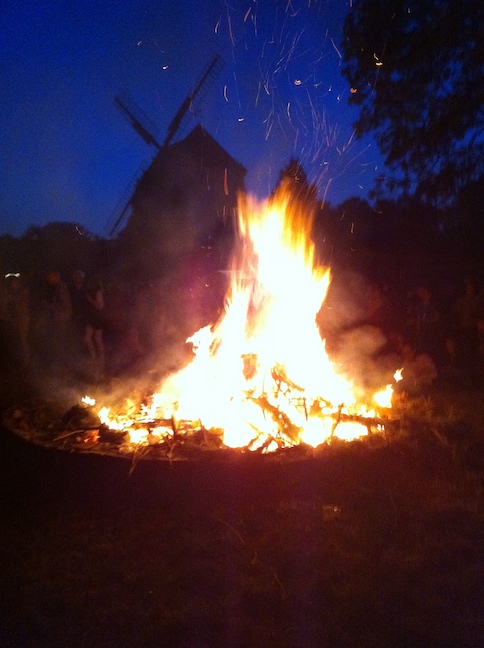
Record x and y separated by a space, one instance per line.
416 69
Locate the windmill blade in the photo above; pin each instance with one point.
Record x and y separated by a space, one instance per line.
206 78
138 119
123 205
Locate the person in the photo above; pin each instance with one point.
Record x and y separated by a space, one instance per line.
54 316
428 335
379 313
76 291
418 369
448 323
121 334
79 307
480 324
57 302
94 322
15 317
466 311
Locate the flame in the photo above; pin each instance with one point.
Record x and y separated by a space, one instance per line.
383 398
261 375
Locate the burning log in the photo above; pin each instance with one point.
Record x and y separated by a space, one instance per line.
284 424
78 429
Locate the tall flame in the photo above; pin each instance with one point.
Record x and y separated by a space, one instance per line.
261 372
261 375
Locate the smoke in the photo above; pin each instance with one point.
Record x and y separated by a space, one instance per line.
162 314
362 357
357 346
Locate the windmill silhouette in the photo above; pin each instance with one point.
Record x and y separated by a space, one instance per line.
147 130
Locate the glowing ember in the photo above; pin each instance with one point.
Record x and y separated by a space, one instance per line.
261 376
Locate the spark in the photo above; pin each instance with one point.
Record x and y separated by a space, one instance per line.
157 46
237 90
289 6
268 130
229 23
258 93
254 22
325 192
225 93
348 143
336 49
270 124
264 48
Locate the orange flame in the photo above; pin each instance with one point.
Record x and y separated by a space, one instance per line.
261 374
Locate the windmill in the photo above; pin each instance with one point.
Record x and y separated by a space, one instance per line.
146 128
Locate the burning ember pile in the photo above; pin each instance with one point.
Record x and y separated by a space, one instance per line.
260 378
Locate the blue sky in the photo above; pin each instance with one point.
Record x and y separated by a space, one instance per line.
67 154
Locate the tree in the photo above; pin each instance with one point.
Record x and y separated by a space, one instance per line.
416 70
295 177
61 246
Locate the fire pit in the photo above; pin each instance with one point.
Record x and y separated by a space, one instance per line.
79 429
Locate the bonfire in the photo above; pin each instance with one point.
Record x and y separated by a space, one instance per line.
260 377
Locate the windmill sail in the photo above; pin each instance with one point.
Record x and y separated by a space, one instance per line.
138 119
146 128
209 75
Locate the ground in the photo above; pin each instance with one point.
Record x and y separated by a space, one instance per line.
368 544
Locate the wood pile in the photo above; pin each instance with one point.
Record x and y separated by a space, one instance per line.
78 429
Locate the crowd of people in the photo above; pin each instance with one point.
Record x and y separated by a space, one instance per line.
436 331
54 323
73 323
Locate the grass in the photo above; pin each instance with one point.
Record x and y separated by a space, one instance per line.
369 544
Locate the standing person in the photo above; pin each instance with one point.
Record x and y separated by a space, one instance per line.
94 325
428 332
15 318
466 309
480 326
79 308
54 317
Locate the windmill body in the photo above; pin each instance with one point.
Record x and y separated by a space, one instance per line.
185 202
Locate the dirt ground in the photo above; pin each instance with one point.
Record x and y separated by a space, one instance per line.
368 545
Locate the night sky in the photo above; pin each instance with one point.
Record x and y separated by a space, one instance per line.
68 154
